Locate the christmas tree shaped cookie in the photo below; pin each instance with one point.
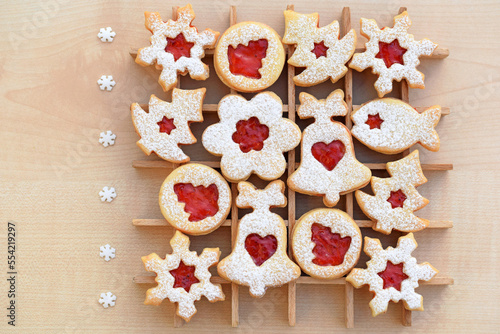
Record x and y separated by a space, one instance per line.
259 258
392 274
183 276
328 165
396 197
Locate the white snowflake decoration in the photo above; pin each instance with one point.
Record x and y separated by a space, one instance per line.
378 263
107 138
107 299
106 34
106 82
107 252
414 49
107 194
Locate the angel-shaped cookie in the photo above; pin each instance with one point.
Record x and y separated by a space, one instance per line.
328 165
259 258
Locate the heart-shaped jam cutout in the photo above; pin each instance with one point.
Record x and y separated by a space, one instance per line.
166 125
259 248
391 53
320 49
250 134
397 199
329 155
184 276
247 60
374 121
179 47
393 275
201 202
330 248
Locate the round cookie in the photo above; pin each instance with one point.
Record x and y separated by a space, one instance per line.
195 199
249 57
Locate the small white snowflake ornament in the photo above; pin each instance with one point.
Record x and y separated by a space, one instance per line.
107 194
183 276
107 299
392 274
107 252
106 34
107 138
392 53
106 82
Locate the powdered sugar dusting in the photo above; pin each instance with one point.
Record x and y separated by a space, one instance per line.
338 222
379 257
414 49
173 210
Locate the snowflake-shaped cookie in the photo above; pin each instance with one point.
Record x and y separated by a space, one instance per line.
259 258
107 138
328 164
392 274
177 47
106 34
107 299
107 252
183 276
396 197
166 124
106 82
392 53
319 50
251 137
107 194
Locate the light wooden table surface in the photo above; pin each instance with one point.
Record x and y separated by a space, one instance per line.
52 168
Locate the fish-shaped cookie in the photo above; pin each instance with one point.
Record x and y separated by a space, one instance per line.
390 126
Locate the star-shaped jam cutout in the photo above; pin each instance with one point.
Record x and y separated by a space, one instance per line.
201 202
247 60
392 53
179 47
166 125
320 49
393 275
250 134
184 276
374 121
397 198
330 248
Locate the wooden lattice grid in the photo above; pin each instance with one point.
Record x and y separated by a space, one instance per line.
291 109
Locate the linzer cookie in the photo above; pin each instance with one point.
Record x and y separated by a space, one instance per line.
328 166
259 258
396 197
251 137
183 276
195 199
249 57
391 126
165 125
392 53
177 47
319 50
326 243
392 274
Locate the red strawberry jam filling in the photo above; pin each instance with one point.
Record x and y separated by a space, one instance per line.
329 155
320 49
374 121
250 134
397 198
201 202
247 60
393 275
330 248
184 276
259 248
166 125
391 53
179 47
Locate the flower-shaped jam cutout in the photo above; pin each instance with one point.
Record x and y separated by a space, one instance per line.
250 134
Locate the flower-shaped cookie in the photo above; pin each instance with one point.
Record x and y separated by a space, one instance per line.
183 276
177 47
392 274
319 50
251 137
166 125
396 197
392 53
